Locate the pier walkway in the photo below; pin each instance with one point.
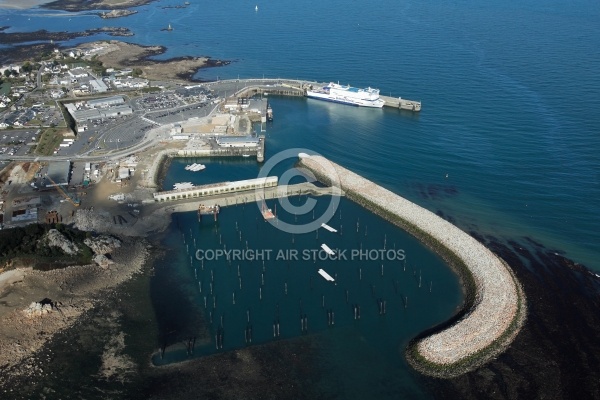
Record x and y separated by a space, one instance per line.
297 88
258 195
495 306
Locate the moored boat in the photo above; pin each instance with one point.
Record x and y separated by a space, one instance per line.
368 97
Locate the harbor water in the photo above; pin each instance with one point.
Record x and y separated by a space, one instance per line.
511 122
387 289
506 145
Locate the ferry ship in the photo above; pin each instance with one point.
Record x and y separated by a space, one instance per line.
337 93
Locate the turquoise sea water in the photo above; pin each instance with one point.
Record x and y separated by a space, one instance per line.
507 143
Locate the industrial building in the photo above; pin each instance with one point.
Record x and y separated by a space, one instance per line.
94 113
238 141
58 173
106 102
98 86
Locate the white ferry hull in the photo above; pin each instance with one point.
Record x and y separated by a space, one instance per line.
368 97
338 99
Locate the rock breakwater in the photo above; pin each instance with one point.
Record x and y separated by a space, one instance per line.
494 309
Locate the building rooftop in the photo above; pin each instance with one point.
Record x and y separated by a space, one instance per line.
58 173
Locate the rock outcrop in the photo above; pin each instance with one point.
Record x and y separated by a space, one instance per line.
37 309
56 239
102 244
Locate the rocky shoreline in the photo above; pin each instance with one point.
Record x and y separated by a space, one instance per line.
77 5
557 353
63 295
118 54
116 14
24 37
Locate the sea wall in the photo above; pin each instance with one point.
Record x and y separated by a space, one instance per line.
494 309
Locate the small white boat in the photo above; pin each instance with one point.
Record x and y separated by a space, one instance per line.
183 185
327 249
330 229
326 275
195 167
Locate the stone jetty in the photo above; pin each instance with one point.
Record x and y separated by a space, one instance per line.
494 308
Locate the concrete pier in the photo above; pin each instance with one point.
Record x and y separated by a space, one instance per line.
297 88
224 199
216 189
258 151
402 104
495 308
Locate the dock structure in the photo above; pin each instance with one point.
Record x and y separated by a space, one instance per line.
223 151
402 104
216 189
283 90
297 88
267 213
243 193
495 304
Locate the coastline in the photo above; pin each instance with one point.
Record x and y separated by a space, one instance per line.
23 37
494 310
509 368
556 352
76 5
117 54
73 290
113 53
22 5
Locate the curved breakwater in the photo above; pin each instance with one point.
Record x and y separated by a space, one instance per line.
494 308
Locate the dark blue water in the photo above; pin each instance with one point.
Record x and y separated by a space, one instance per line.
398 288
507 142
509 94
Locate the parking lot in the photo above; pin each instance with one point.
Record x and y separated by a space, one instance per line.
17 141
161 101
34 116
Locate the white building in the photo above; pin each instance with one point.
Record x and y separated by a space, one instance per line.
76 73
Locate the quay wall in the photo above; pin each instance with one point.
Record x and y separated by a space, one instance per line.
495 307
295 87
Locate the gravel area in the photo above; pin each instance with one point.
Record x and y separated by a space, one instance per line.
497 294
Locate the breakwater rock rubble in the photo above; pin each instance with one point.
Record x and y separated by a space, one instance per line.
102 244
496 309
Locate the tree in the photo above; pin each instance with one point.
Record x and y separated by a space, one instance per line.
27 67
7 72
